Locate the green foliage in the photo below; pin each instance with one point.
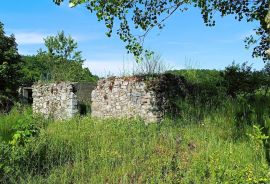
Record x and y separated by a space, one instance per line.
64 63
61 62
171 87
63 70
9 69
258 136
146 15
241 80
34 68
211 87
205 86
266 78
88 150
18 121
18 129
225 144
63 47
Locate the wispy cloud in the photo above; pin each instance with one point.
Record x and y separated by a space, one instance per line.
238 38
26 52
104 68
30 38
89 37
26 38
107 67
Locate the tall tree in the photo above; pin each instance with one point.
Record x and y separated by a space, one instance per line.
147 14
9 66
61 61
63 47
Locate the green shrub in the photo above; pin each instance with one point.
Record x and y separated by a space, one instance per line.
10 122
18 128
241 80
205 89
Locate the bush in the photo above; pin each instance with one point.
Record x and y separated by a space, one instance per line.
241 80
206 88
12 119
18 128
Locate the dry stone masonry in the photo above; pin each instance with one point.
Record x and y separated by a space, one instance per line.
120 97
124 97
56 100
149 98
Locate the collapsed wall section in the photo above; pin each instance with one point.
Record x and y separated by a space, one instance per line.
124 97
56 100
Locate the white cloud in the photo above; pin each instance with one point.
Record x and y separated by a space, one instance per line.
92 36
30 38
26 38
104 68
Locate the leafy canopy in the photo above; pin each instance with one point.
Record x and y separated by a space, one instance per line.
59 62
63 47
147 14
9 64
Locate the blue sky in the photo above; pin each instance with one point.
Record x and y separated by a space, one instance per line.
184 42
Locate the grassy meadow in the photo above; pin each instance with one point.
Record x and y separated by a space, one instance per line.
192 149
216 138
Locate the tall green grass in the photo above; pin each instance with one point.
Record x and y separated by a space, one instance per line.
202 146
17 117
86 150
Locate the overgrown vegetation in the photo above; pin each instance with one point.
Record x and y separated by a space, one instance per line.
9 69
60 62
217 130
220 135
211 149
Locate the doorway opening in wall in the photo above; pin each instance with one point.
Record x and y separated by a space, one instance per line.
26 95
84 108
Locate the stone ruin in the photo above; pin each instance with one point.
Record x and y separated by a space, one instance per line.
124 97
61 100
148 98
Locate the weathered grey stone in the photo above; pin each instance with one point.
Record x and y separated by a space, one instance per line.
126 98
60 100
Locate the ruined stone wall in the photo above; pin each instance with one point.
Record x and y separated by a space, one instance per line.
56 100
124 97
147 97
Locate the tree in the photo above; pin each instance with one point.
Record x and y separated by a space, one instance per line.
9 68
61 61
241 80
147 14
63 47
34 68
266 78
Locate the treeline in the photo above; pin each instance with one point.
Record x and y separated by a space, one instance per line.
236 80
61 61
